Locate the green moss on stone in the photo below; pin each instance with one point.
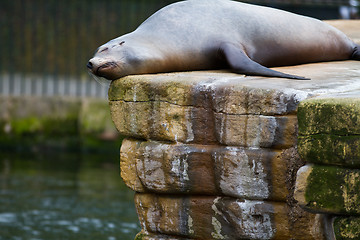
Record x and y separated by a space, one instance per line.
330 149
321 183
347 228
334 190
339 116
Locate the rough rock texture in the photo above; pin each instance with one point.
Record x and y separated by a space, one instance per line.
329 140
211 217
213 155
329 130
204 169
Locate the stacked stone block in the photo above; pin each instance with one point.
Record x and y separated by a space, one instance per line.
211 157
329 141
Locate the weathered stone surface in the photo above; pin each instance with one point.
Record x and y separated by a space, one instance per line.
328 189
331 149
256 130
157 120
216 90
197 107
202 169
169 122
235 94
128 156
346 228
206 217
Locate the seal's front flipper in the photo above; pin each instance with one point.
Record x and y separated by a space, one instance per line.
241 63
356 53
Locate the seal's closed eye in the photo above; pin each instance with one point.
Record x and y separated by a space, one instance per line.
122 42
103 50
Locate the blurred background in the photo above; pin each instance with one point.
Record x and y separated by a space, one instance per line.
59 151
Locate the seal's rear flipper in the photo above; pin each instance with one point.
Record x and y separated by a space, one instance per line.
241 63
356 53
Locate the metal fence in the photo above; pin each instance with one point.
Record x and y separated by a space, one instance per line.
50 85
45 44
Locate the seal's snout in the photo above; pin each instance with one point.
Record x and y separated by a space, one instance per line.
89 65
103 68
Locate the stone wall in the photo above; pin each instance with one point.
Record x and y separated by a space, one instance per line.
216 155
213 155
39 124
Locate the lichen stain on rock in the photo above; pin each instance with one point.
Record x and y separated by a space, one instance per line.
334 115
351 191
256 220
190 225
216 234
331 149
150 169
241 175
267 131
347 228
189 127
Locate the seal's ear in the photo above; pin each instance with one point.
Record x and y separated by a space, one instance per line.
121 43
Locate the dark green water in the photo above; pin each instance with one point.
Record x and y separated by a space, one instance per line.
64 197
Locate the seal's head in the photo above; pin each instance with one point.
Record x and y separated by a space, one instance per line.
113 60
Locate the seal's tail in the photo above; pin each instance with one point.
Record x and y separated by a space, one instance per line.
356 53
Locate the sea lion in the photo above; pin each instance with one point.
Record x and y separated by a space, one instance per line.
213 34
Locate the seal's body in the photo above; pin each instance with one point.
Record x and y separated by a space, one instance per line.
212 34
